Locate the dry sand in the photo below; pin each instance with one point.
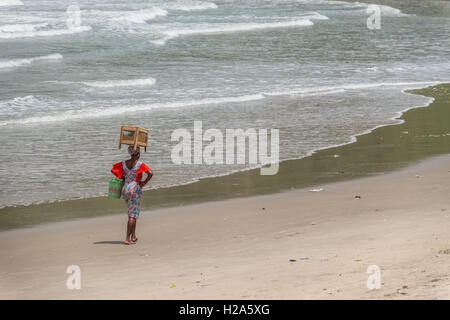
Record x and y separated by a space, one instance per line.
236 249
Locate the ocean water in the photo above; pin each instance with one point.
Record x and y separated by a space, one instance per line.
310 68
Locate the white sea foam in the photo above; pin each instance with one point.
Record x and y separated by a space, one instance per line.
322 90
385 10
26 27
190 5
20 107
391 12
141 16
18 101
314 16
120 83
7 3
25 61
313 93
43 33
19 17
328 2
18 104
230 28
101 112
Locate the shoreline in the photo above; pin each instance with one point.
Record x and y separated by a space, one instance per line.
352 139
200 190
292 245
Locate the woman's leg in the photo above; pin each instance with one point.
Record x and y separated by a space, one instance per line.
133 202
130 227
136 200
133 232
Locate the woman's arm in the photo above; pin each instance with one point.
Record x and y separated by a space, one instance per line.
149 176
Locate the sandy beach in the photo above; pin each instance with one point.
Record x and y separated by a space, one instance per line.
350 99
293 245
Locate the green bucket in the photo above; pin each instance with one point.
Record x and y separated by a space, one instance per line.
115 188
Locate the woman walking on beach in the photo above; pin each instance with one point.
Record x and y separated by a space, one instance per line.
131 171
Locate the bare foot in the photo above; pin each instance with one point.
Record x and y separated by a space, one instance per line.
134 239
128 242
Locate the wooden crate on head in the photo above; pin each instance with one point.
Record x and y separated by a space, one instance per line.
133 136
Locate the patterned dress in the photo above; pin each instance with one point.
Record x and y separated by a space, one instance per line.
132 191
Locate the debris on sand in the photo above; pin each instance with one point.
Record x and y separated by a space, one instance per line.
304 258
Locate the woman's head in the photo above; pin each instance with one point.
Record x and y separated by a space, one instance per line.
134 153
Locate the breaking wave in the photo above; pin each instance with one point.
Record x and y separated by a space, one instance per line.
26 61
120 83
230 28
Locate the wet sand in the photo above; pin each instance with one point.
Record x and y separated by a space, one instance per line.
293 245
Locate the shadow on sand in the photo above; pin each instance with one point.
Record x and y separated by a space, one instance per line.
108 242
